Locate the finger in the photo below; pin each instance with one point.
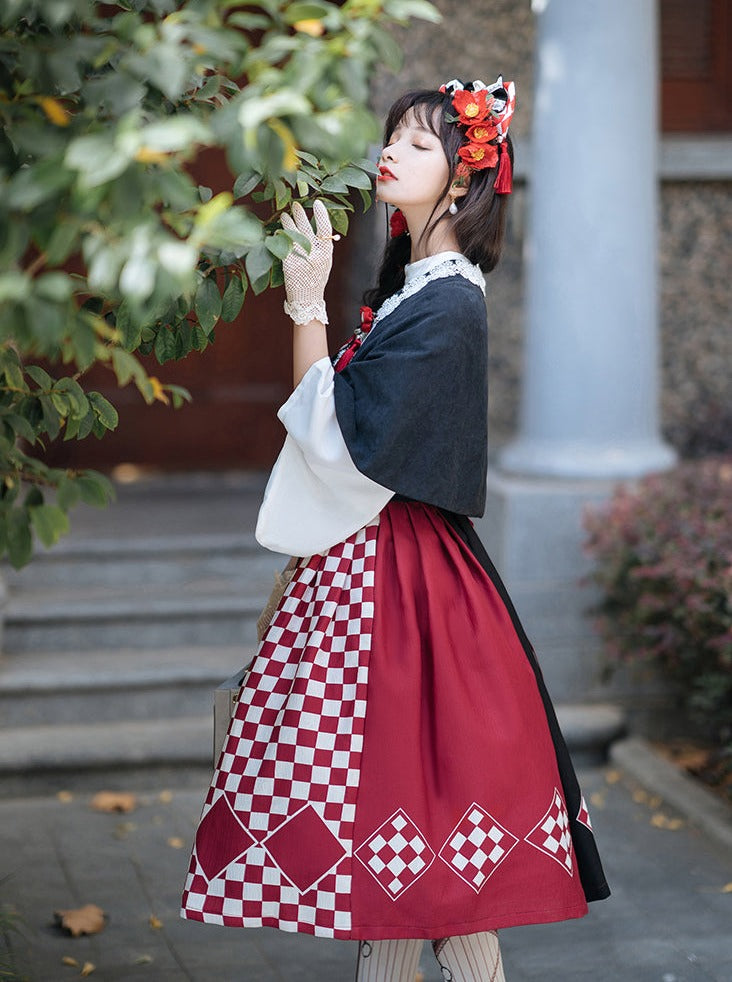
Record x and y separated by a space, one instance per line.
301 220
287 222
322 220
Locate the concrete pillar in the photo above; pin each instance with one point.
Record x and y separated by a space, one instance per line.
590 383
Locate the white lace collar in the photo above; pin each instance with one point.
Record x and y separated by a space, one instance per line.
418 274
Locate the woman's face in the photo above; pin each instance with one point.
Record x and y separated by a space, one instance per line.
413 167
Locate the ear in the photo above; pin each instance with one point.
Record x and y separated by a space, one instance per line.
458 190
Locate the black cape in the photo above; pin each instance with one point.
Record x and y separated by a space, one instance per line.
412 404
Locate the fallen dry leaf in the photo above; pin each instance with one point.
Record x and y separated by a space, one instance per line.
597 799
640 795
727 888
175 842
68 960
88 919
419 977
155 922
114 801
661 821
64 796
144 960
612 777
166 797
87 969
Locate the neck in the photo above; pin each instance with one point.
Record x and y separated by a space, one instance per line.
442 238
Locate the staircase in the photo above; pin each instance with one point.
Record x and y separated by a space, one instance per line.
115 639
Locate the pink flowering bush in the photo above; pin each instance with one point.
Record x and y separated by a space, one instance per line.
663 563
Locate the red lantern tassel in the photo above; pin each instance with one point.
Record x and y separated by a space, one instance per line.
503 183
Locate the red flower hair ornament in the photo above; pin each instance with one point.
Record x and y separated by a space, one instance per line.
485 113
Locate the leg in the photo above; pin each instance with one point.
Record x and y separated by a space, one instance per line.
388 961
470 958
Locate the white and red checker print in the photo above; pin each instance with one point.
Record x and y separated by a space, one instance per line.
396 854
583 815
289 770
477 846
552 836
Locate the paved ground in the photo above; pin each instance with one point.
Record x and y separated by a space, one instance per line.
669 920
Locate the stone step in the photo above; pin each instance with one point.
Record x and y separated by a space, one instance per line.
39 688
136 754
179 751
211 611
121 561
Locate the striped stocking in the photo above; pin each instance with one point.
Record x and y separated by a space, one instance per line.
388 961
470 958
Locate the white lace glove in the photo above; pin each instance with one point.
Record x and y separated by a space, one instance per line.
307 273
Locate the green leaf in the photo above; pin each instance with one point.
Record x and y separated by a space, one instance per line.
283 195
54 286
404 9
306 11
19 539
51 416
165 345
339 220
49 522
199 340
103 410
74 396
336 185
179 395
14 286
95 489
63 240
233 299
21 426
98 158
207 304
85 425
67 493
39 375
245 184
130 333
355 178
258 263
279 245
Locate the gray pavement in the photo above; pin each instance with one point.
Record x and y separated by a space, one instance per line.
669 919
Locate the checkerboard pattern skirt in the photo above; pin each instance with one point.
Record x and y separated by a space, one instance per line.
394 768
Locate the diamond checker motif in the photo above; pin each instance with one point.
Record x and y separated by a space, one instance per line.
551 835
396 854
583 815
295 740
476 847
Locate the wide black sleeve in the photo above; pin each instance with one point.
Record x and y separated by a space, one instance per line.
412 403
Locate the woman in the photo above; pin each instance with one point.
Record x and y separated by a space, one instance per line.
394 770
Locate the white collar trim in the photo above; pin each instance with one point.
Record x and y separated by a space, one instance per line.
418 274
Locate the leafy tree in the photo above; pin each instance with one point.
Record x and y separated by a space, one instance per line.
108 249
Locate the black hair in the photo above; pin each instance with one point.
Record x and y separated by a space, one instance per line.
480 223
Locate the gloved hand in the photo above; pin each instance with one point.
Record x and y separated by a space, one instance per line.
307 273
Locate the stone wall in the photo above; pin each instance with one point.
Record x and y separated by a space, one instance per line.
479 41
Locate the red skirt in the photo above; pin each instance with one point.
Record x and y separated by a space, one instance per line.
394 768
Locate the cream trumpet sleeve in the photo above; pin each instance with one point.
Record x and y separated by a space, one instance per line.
315 495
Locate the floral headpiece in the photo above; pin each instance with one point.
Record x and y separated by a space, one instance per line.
484 112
